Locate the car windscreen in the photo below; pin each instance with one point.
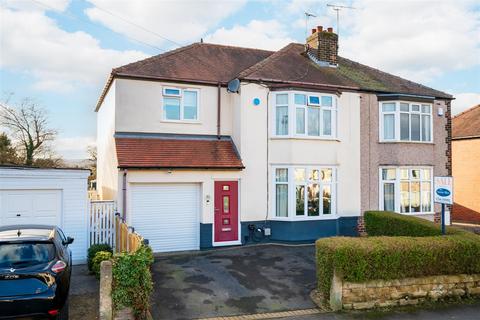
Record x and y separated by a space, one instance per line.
20 255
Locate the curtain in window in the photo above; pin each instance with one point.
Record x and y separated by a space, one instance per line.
327 122
389 126
415 196
282 200
282 120
404 126
389 196
426 197
300 121
415 123
313 121
404 196
426 128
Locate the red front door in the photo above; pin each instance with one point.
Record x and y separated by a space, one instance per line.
226 211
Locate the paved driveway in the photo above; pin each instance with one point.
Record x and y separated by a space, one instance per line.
242 280
83 297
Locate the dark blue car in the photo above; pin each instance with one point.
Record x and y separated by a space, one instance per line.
35 269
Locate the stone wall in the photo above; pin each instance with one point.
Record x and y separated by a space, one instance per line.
408 291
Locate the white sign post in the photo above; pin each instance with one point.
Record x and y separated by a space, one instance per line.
443 193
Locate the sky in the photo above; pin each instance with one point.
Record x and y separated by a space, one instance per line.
60 52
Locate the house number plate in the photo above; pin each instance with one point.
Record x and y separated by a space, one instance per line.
226 229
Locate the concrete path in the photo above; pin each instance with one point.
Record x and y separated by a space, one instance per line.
83 294
226 282
449 312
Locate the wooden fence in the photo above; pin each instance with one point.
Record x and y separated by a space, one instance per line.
101 222
127 240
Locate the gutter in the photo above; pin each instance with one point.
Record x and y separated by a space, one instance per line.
124 194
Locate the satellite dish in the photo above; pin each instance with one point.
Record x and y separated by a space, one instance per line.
233 85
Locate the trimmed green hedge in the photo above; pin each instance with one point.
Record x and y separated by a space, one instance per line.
387 223
386 258
97 260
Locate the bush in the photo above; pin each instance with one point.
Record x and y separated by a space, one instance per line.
92 251
132 281
97 260
416 249
386 223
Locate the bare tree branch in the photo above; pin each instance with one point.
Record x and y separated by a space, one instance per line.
28 125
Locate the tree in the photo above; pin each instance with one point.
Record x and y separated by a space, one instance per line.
8 154
28 125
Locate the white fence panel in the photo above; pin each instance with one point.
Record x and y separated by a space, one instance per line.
101 222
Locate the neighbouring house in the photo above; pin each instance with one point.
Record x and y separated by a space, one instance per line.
204 143
466 170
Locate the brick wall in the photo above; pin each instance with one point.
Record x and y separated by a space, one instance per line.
324 45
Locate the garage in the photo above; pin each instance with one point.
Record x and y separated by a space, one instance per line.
167 214
47 197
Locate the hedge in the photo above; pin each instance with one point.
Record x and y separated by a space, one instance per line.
132 281
97 260
386 258
387 223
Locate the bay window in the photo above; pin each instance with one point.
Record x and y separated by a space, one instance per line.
405 121
304 192
180 104
406 190
310 115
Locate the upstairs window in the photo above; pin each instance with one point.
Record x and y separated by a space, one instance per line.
405 121
300 114
180 104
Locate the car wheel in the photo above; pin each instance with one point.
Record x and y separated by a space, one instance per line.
63 315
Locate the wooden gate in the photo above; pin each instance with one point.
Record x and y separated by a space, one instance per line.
101 222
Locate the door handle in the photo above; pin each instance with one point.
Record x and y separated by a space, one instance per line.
18 214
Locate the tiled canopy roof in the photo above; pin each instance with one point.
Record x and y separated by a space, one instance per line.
467 124
184 152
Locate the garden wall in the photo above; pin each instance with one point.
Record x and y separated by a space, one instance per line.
408 291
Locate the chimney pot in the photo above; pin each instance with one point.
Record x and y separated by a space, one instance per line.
330 29
319 28
314 30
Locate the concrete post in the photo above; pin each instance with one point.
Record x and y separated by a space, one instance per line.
106 309
336 291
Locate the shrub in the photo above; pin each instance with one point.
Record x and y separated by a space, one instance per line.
386 258
92 251
97 260
387 223
132 280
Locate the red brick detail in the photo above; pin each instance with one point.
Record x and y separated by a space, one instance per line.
464 214
362 231
176 153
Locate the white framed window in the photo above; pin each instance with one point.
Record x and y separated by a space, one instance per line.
304 192
405 121
180 104
304 115
406 190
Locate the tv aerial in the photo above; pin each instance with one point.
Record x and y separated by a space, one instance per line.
308 15
337 8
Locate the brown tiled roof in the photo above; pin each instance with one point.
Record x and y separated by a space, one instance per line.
467 124
200 62
154 152
291 65
210 64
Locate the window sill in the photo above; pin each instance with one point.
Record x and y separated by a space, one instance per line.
296 219
304 138
182 121
417 213
406 142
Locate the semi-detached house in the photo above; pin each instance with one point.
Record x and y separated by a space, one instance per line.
202 144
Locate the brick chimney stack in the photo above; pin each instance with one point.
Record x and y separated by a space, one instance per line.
324 45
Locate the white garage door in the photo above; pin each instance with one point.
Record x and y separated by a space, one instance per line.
30 207
167 215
